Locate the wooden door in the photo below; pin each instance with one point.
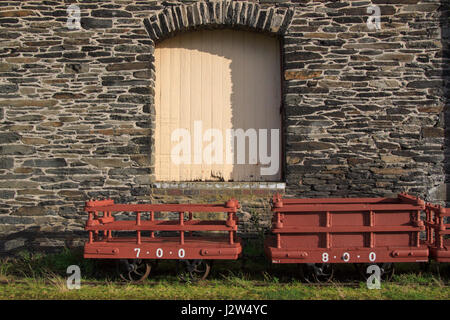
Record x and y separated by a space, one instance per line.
221 80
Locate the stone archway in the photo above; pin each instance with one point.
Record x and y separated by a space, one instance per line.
219 14
271 19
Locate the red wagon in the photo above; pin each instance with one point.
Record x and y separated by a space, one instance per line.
195 242
438 229
322 232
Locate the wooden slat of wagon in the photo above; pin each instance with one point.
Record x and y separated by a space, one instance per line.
217 241
163 208
164 225
445 213
345 207
338 200
346 229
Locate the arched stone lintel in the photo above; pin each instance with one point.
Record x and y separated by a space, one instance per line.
218 14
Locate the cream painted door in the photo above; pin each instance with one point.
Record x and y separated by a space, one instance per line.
209 85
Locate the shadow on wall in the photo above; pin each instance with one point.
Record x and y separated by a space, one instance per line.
445 38
250 85
33 239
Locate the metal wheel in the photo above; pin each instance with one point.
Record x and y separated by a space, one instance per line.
439 269
195 270
386 270
318 272
424 267
133 270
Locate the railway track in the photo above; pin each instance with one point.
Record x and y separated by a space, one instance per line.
148 283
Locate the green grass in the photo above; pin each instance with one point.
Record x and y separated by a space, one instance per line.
36 276
229 288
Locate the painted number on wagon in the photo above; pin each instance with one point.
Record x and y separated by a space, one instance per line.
325 257
137 250
181 253
159 252
372 256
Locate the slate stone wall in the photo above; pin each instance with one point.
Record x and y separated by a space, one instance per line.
364 110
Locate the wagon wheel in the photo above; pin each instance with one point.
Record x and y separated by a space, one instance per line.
424 267
438 269
195 270
386 270
133 270
318 272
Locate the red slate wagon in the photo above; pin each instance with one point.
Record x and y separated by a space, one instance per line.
144 244
321 232
437 229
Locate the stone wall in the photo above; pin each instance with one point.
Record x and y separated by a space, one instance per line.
364 111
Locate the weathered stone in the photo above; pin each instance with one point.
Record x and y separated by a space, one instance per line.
124 83
77 42
430 109
142 160
42 43
34 141
28 103
385 84
7 194
71 193
8 88
134 99
302 56
141 90
32 211
128 66
312 146
76 68
396 57
130 171
134 49
105 163
28 118
145 74
51 124
335 84
92 23
110 13
33 192
421 84
14 244
69 119
302 75
423 7
16 13
319 35
10 20
8 137
16 149
6 163
390 159
15 220
74 55
68 95
433 132
362 11
46 163
388 171
373 45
